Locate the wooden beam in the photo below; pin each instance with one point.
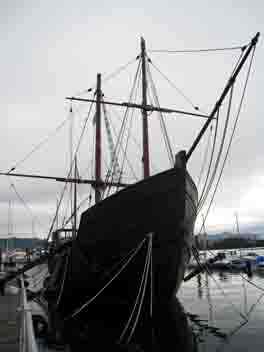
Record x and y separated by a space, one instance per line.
68 180
139 106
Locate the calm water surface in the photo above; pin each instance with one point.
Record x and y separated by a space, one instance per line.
226 311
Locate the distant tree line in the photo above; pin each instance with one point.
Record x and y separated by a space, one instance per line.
230 243
21 243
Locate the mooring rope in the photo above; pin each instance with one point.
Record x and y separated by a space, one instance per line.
64 277
149 255
79 310
140 295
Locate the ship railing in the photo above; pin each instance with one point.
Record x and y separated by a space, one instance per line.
27 340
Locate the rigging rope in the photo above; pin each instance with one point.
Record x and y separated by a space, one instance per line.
239 59
137 144
127 140
114 162
66 222
40 144
27 207
119 70
109 76
71 166
122 149
231 137
140 296
79 310
214 142
63 279
162 122
202 200
122 129
205 156
195 107
242 48
211 158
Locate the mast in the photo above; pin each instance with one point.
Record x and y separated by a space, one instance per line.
237 229
9 226
71 152
75 201
98 140
144 111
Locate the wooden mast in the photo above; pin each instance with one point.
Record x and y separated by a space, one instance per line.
144 111
75 200
98 140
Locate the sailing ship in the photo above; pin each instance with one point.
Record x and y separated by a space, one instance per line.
112 283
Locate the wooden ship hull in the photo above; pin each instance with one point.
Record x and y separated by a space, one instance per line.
163 206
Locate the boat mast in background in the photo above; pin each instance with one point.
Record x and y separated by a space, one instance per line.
237 224
204 239
9 226
237 230
144 111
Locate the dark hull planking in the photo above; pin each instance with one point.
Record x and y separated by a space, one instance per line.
165 205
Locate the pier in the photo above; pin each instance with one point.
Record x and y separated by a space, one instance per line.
9 321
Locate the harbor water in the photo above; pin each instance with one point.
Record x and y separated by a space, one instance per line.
226 309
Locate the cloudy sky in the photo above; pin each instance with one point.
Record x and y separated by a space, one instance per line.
53 49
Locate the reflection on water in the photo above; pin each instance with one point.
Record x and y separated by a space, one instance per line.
174 331
223 276
225 310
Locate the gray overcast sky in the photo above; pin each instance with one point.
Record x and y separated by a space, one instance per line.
51 49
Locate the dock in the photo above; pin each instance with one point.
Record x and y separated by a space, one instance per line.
9 321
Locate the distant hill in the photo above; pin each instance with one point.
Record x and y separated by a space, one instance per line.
229 235
23 243
230 240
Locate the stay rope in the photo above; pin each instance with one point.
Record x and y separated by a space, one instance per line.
216 164
63 278
118 148
162 122
230 139
242 48
69 173
173 85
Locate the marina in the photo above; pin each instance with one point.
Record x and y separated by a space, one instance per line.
245 260
223 309
226 310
